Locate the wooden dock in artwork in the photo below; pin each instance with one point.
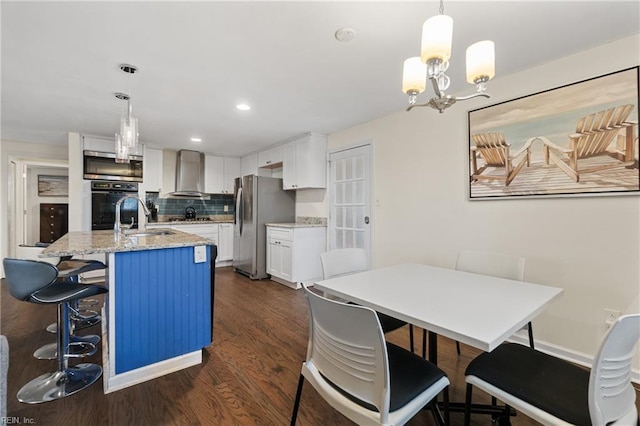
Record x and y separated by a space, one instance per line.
542 179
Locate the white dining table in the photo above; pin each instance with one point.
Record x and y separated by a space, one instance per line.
479 310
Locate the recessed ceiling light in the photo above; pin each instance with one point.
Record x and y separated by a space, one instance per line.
345 35
243 107
196 140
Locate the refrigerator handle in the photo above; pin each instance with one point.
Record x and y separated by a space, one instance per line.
238 228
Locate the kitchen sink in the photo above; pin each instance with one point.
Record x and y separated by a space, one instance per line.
147 232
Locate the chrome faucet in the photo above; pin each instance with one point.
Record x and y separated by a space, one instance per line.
117 226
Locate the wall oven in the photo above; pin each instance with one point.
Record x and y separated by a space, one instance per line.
104 196
102 165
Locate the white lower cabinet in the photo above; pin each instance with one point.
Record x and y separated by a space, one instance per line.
225 246
220 233
293 254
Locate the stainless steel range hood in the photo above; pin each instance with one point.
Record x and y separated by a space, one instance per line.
189 174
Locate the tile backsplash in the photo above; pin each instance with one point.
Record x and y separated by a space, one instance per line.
215 205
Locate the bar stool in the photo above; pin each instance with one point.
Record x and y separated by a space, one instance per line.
37 282
80 316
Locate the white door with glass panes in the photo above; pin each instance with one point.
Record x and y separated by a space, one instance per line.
350 199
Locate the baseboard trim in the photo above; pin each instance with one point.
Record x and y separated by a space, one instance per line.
149 372
561 352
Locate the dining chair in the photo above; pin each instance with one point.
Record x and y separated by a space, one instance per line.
347 261
368 380
553 391
494 264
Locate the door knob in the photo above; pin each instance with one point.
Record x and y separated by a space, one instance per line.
366 220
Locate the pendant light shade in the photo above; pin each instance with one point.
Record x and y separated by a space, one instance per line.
414 76
437 33
127 139
129 128
122 151
481 61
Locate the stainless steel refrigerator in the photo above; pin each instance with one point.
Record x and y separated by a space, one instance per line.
259 200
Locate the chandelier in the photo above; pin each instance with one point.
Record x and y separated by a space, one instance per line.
127 139
432 64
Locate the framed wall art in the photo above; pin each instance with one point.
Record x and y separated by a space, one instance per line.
575 140
53 186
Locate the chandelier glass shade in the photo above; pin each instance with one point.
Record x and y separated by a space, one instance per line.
433 62
127 139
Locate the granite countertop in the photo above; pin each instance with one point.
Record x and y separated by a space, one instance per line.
302 222
190 222
76 243
296 225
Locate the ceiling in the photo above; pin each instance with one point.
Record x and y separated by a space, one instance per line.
197 60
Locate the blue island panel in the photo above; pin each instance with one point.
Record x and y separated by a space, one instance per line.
162 305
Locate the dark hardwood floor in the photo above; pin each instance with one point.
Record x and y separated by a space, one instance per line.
248 375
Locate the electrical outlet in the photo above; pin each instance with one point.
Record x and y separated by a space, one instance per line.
226 209
199 254
610 316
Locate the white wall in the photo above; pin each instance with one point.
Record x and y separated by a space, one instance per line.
26 152
589 246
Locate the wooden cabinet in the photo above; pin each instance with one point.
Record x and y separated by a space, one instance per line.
54 221
152 169
225 239
293 254
272 157
249 164
305 162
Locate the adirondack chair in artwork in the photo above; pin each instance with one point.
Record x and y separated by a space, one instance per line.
494 151
595 136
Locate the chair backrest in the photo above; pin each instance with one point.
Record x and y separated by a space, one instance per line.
611 395
343 261
25 277
347 346
494 264
32 252
596 131
493 147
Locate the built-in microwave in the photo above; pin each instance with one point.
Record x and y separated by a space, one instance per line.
103 166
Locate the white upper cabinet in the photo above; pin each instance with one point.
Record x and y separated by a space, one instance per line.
213 174
272 157
305 162
152 169
220 173
249 164
231 172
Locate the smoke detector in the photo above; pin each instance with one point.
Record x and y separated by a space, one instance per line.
345 34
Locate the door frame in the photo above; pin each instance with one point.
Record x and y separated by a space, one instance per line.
370 144
17 194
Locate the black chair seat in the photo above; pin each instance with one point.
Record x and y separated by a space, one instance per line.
390 323
66 291
548 383
409 375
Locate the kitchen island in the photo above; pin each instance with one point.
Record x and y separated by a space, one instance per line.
159 311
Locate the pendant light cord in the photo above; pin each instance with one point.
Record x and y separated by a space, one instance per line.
441 7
